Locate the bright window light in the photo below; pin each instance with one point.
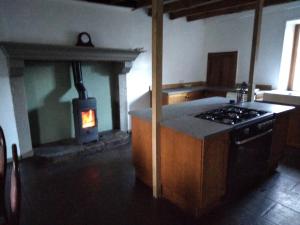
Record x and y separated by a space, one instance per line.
289 75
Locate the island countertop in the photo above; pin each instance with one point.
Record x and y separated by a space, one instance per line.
181 117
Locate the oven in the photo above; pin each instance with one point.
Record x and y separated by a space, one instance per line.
249 155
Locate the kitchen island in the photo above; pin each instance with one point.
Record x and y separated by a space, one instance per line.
195 152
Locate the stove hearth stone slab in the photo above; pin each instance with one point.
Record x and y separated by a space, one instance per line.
67 149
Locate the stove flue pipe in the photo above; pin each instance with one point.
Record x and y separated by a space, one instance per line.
78 81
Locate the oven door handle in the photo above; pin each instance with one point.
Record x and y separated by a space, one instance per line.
253 138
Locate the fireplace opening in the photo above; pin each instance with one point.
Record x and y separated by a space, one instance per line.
50 91
68 118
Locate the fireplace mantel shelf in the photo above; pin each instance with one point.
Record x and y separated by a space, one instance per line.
46 52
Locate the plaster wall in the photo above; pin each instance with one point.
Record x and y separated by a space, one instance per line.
234 32
7 115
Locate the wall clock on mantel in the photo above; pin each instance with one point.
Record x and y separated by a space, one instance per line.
84 39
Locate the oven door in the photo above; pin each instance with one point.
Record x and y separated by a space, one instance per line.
248 160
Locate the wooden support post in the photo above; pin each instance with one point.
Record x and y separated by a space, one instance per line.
294 58
255 45
157 46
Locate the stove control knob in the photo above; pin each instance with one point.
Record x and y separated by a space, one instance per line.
246 131
260 126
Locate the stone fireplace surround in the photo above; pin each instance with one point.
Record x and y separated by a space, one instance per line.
18 53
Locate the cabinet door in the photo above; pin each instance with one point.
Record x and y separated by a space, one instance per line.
278 139
195 95
177 98
294 129
215 93
221 69
181 163
164 99
214 172
142 149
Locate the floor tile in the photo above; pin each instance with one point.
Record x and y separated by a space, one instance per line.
296 188
282 215
287 198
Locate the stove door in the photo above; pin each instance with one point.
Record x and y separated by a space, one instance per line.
249 159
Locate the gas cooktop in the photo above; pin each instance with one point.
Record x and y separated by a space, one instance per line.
230 115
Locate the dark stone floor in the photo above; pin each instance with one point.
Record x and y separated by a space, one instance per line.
102 189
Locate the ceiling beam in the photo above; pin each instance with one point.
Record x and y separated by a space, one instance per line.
221 11
210 7
148 3
124 3
143 4
232 9
180 5
275 2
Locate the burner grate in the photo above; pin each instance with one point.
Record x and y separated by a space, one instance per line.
231 115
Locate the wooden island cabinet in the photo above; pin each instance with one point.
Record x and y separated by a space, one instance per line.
193 177
193 171
194 153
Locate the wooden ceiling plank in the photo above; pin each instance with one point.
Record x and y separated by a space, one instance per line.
148 3
179 5
230 10
221 11
210 7
124 3
276 2
143 4
242 6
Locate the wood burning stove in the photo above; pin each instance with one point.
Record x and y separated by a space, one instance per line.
84 110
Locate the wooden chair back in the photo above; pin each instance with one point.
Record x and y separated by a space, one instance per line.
15 189
3 164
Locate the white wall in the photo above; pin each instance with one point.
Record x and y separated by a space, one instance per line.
7 118
59 22
234 32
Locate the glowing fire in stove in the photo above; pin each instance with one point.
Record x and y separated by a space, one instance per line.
88 118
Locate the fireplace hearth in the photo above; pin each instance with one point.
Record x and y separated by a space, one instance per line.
69 149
